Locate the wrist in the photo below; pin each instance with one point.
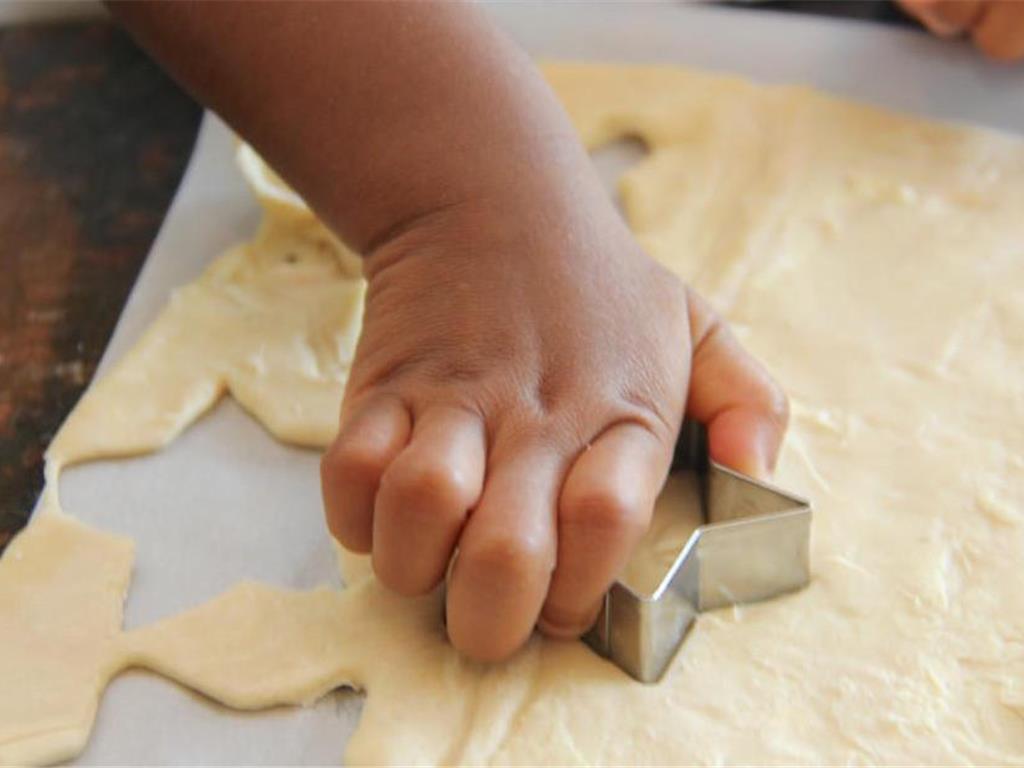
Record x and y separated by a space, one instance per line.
509 175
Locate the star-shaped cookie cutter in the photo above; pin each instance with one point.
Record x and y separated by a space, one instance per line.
754 545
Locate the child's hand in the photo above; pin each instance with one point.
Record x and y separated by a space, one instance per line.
516 396
995 26
523 366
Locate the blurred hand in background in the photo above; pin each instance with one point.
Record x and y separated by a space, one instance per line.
996 27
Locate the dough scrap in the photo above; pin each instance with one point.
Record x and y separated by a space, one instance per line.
875 262
62 585
273 321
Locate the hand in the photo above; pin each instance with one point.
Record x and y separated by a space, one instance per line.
523 365
995 26
516 395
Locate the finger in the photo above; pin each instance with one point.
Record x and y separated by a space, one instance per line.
999 33
946 18
351 469
745 411
604 510
424 497
506 555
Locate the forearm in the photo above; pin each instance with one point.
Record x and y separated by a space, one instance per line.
378 113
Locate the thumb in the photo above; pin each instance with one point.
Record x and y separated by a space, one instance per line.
744 410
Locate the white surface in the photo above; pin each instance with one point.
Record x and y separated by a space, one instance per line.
226 502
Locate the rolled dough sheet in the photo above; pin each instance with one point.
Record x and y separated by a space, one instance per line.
874 261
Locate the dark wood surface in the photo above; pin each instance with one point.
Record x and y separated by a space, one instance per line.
93 142
864 10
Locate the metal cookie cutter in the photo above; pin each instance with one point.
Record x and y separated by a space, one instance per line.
753 545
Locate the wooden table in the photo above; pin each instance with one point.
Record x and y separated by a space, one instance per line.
93 142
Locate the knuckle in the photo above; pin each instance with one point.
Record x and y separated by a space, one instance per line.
434 484
606 511
652 409
511 559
